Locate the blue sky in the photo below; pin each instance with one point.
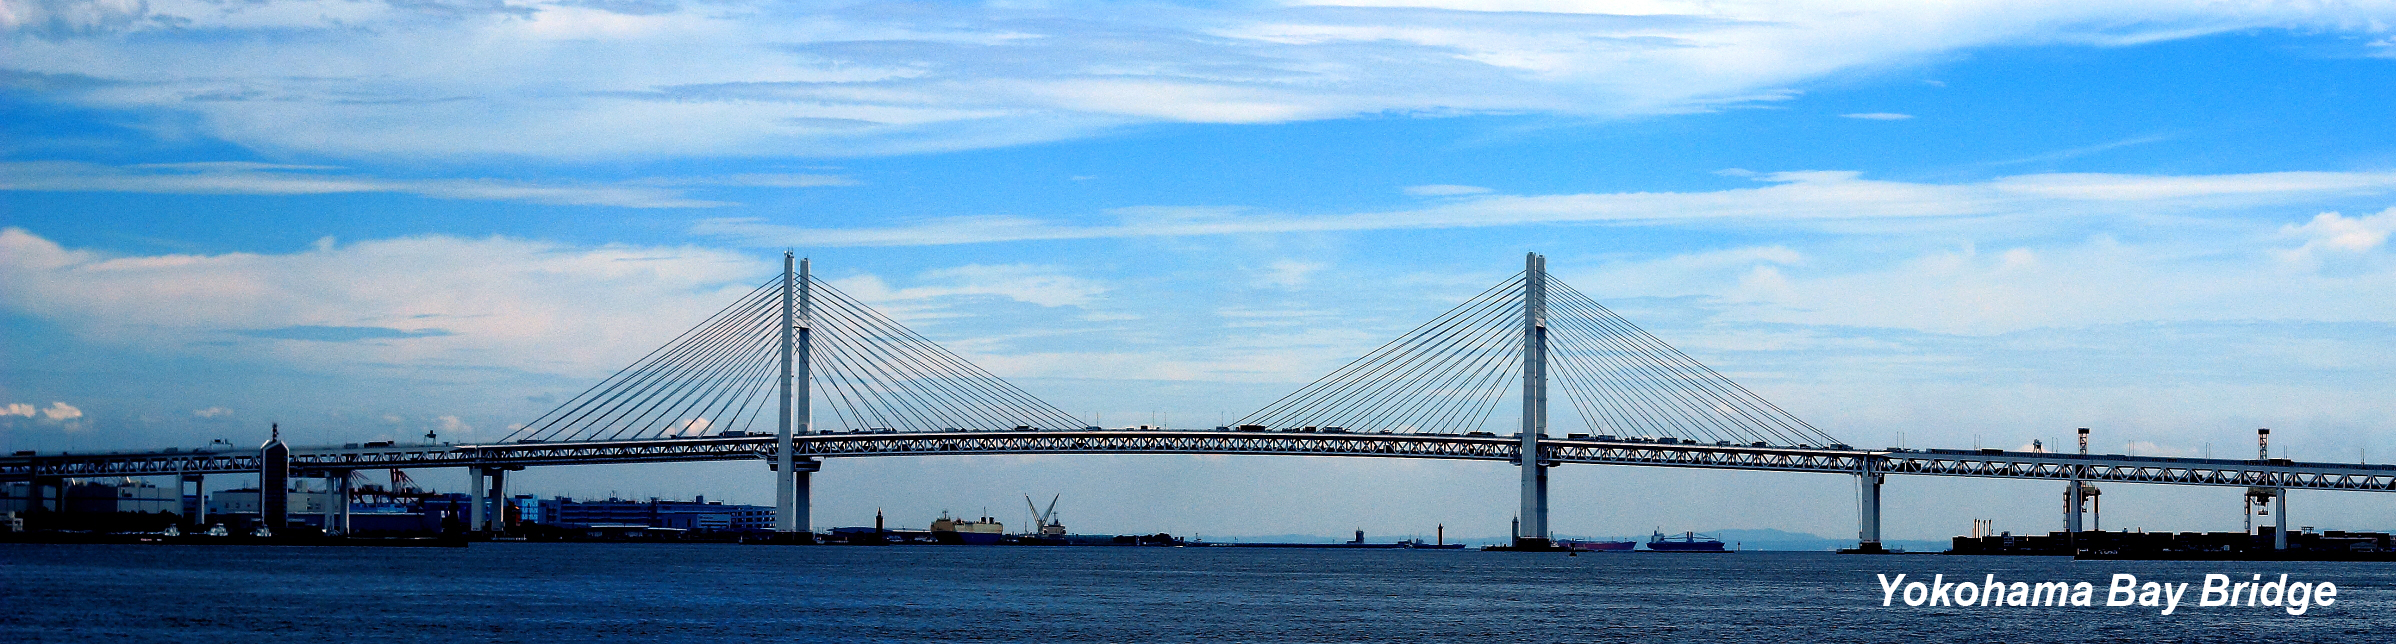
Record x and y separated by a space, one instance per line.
1975 223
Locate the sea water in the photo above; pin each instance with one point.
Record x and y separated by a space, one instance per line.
535 592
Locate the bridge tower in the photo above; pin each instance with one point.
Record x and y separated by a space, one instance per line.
1532 530
791 489
274 482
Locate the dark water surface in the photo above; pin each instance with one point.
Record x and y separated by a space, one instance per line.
515 592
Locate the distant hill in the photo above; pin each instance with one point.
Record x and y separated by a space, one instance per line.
1769 539
1746 539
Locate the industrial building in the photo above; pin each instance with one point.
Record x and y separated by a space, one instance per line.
698 515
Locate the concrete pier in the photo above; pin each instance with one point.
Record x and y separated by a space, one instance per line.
1867 529
195 504
474 499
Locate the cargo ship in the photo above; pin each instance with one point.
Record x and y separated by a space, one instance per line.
1596 545
1684 542
972 533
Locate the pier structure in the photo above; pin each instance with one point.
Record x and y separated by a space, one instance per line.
795 341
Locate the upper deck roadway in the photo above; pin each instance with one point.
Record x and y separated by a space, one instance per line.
2276 473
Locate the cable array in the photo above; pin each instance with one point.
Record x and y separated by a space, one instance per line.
1625 381
876 374
720 379
1443 377
716 377
1448 376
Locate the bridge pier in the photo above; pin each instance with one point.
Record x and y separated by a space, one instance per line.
801 498
1867 532
498 502
474 498
2279 535
39 491
336 502
2072 498
195 505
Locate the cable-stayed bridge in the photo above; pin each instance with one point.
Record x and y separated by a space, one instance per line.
745 384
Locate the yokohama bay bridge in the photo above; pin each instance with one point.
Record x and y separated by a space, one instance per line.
746 385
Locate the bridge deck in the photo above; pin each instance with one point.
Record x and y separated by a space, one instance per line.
1978 463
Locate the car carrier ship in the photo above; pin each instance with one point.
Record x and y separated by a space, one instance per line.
1683 542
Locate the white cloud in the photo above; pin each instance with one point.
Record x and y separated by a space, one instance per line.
569 80
1443 190
529 305
63 18
211 412
57 412
1288 274
408 303
2333 232
1041 285
1817 199
1878 116
60 411
1964 290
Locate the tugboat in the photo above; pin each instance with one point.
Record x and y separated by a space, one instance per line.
1596 545
1684 542
972 533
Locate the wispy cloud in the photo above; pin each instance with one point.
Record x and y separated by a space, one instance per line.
1444 190
1041 285
410 302
578 79
273 179
318 333
2073 153
1878 116
1788 199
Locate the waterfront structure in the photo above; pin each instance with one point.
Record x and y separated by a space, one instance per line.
299 502
119 494
698 515
1428 394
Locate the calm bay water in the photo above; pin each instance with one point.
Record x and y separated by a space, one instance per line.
516 592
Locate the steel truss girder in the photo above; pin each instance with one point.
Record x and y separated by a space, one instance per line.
2137 469
2057 467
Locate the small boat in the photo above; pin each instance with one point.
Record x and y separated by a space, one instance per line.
1596 545
1683 542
